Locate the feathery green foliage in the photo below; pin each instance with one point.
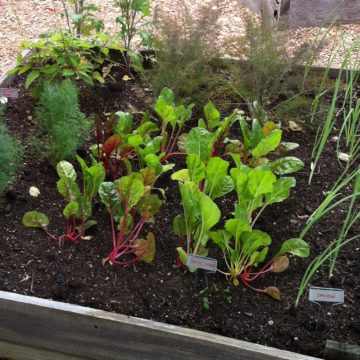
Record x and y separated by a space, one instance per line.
60 118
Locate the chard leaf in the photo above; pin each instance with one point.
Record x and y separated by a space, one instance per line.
146 248
281 190
216 172
182 141
273 292
179 226
223 188
148 175
111 144
84 208
166 112
198 143
260 182
236 227
109 196
221 238
253 240
212 115
261 255
130 189
196 168
210 213
280 264
240 182
89 224
68 189
125 123
35 219
268 127
146 128
297 247
65 170
270 143
149 205
93 176
181 175
135 140
167 95
71 209
287 165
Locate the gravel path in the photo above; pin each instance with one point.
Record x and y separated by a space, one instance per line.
27 19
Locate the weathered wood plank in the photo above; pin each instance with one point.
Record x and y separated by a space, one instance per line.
336 351
96 334
11 351
314 12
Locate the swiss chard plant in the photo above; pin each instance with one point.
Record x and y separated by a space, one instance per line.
211 176
78 210
173 117
260 143
245 248
130 204
199 216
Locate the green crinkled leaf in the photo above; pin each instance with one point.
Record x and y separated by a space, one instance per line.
253 240
125 124
287 165
84 210
196 168
212 115
166 112
236 227
35 219
93 176
65 170
210 213
167 95
146 128
281 190
260 182
221 238
198 143
270 143
181 175
179 225
297 247
149 205
216 172
109 196
131 190
68 189
71 209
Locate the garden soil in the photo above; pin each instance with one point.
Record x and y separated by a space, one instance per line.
33 264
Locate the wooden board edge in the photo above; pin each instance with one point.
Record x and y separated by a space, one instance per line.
12 351
335 350
119 319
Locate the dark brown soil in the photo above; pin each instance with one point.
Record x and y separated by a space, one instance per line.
33 264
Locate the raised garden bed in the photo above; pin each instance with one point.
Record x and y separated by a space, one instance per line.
34 265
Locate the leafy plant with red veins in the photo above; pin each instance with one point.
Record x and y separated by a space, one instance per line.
131 205
78 211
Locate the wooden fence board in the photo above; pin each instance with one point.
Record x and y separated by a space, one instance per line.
314 12
96 334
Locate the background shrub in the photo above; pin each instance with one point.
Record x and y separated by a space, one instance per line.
184 48
61 120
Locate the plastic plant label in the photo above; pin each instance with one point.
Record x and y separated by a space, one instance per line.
317 294
201 262
9 93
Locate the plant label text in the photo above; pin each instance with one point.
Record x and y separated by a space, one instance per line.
317 294
9 93
201 262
